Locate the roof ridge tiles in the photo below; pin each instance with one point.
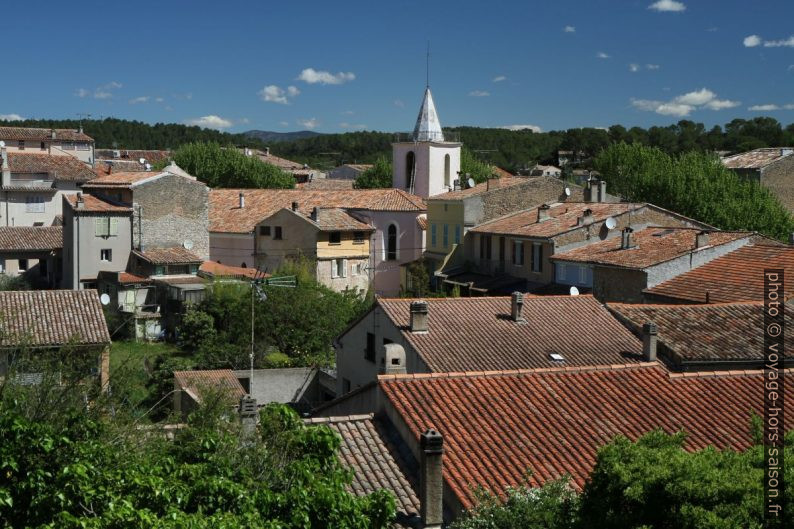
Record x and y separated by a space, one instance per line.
339 418
518 372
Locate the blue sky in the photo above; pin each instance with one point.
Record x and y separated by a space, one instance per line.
345 65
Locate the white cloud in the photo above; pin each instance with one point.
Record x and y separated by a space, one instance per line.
243 121
652 66
602 55
790 67
284 123
158 99
273 94
569 29
141 99
211 122
359 126
533 128
11 117
399 103
312 123
82 92
685 104
347 113
789 106
293 91
479 93
787 43
764 108
634 67
312 76
752 41
106 90
668 5
499 78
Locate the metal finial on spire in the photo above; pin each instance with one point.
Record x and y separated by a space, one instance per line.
427 85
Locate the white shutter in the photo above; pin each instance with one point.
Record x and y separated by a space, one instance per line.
344 267
333 268
114 226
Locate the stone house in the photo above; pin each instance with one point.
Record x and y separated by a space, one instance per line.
771 167
336 242
33 184
348 171
56 142
33 252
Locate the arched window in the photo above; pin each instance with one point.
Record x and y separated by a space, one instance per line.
391 243
410 169
446 170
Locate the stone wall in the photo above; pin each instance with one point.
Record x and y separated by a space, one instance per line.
779 178
497 202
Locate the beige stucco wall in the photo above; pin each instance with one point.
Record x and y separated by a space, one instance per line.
13 205
81 248
234 249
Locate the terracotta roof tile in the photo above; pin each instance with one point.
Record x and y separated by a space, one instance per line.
121 178
326 184
92 204
165 256
197 382
468 334
562 218
52 318
60 168
706 333
43 134
336 219
757 158
31 238
125 278
497 428
226 215
736 276
494 183
151 156
651 246
377 462
213 269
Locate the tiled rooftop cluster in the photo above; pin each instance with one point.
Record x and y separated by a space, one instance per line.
42 134
59 168
31 238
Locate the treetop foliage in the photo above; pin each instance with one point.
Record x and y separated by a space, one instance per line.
379 176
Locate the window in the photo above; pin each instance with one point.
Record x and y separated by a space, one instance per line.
277 235
562 271
345 385
485 247
106 255
21 145
106 226
37 224
391 243
43 269
369 354
338 268
446 170
43 146
83 147
178 269
67 146
537 257
335 237
358 269
501 249
34 204
358 237
2 265
159 270
194 268
518 253
446 235
264 231
23 265
433 235
457 233
410 169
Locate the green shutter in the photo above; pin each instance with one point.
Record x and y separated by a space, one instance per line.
114 226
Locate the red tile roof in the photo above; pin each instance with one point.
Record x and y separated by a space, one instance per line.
226 215
31 238
166 256
92 204
151 156
213 269
706 333
651 246
757 158
125 278
473 334
198 382
498 427
52 318
737 276
377 464
42 134
120 178
336 219
60 168
326 184
494 183
562 218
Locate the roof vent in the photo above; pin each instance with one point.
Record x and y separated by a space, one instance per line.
419 316
586 218
701 239
557 357
649 339
516 306
543 212
315 213
241 201
431 480
80 203
294 206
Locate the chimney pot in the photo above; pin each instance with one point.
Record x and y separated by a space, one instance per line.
294 206
80 203
315 212
627 238
248 414
602 191
5 179
649 339
516 306
241 200
52 134
393 359
701 239
431 480
267 151
543 212
419 316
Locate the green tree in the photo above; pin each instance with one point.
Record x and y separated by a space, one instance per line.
377 176
195 329
471 166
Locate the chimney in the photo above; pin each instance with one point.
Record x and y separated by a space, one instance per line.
586 218
589 190
52 134
109 166
393 359
649 337
248 413
701 239
267 151
627 238
315 212
543 212
602 191
242 201
431 480
419 316
80 203
6 176
294 206
516 306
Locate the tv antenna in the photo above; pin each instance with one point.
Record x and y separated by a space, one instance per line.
427 78
81 116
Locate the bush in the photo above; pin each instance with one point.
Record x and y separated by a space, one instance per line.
377 176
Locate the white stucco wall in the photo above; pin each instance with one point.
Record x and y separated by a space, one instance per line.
430 166
13 206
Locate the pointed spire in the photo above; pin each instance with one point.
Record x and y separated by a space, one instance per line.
428 127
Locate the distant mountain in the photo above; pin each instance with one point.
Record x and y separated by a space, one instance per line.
268 136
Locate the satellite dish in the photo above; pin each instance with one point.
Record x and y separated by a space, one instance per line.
611 223
142 160
188 244
2 143
574 291
567 191
148 167
104 299
470 181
